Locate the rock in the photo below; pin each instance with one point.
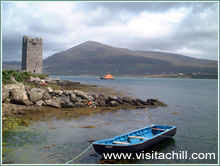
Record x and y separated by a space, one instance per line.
65 102
155 102
27 88
46 96
112 98
5 94
35 94
64 83
127 100
73 97
119 100
113 103
101 100
67 92
79 104
82 95
53 102
13 79
35 79
141 101
18 86
40 103
50 90
136 103
58 92
50 80
19 97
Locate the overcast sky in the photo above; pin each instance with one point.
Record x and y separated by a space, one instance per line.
189 29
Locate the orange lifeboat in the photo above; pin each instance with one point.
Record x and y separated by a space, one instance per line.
108 77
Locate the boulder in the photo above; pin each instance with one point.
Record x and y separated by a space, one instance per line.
112 98
141 101
19 97
46 95
113 103
65 102
35 94
5 94
136 103
53 102
67 92
13 79
18 86
101 100
58 92
82 95
119 100
64 83
35 79
79 104
49 89
40 103
73 97
127 100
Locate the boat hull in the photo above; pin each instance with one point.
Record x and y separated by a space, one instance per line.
101 148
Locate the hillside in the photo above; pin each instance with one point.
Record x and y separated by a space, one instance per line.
97 59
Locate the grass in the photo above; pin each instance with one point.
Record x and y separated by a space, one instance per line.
19 76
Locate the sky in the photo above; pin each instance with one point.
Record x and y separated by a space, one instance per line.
186 28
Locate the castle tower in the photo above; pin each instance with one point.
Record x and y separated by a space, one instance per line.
32 55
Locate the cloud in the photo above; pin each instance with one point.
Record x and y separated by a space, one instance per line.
188 28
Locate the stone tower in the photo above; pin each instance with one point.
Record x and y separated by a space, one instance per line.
32 55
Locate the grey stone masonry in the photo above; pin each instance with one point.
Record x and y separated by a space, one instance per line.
32 55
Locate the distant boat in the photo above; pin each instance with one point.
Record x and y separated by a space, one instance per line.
135 141
108 77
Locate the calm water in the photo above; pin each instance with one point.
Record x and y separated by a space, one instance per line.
192 107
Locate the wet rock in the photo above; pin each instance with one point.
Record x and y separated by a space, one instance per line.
136 103
35 94
155 102
101 100
113 103
40 103
119 100
141 101
127 100
82 95
53 102
19 97
79 104
64 83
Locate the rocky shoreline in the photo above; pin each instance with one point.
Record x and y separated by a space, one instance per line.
45 96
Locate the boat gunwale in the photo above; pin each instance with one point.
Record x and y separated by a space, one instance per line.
134 144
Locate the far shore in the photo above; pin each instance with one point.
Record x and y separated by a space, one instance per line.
179 76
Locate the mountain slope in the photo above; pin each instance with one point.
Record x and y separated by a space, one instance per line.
96 58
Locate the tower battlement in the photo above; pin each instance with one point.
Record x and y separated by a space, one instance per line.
32 54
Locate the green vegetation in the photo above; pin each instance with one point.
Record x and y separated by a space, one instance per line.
19 76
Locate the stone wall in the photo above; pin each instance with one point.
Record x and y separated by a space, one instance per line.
32 55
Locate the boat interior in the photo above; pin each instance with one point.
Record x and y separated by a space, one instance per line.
137 136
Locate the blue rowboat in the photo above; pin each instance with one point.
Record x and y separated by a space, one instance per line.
135 141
